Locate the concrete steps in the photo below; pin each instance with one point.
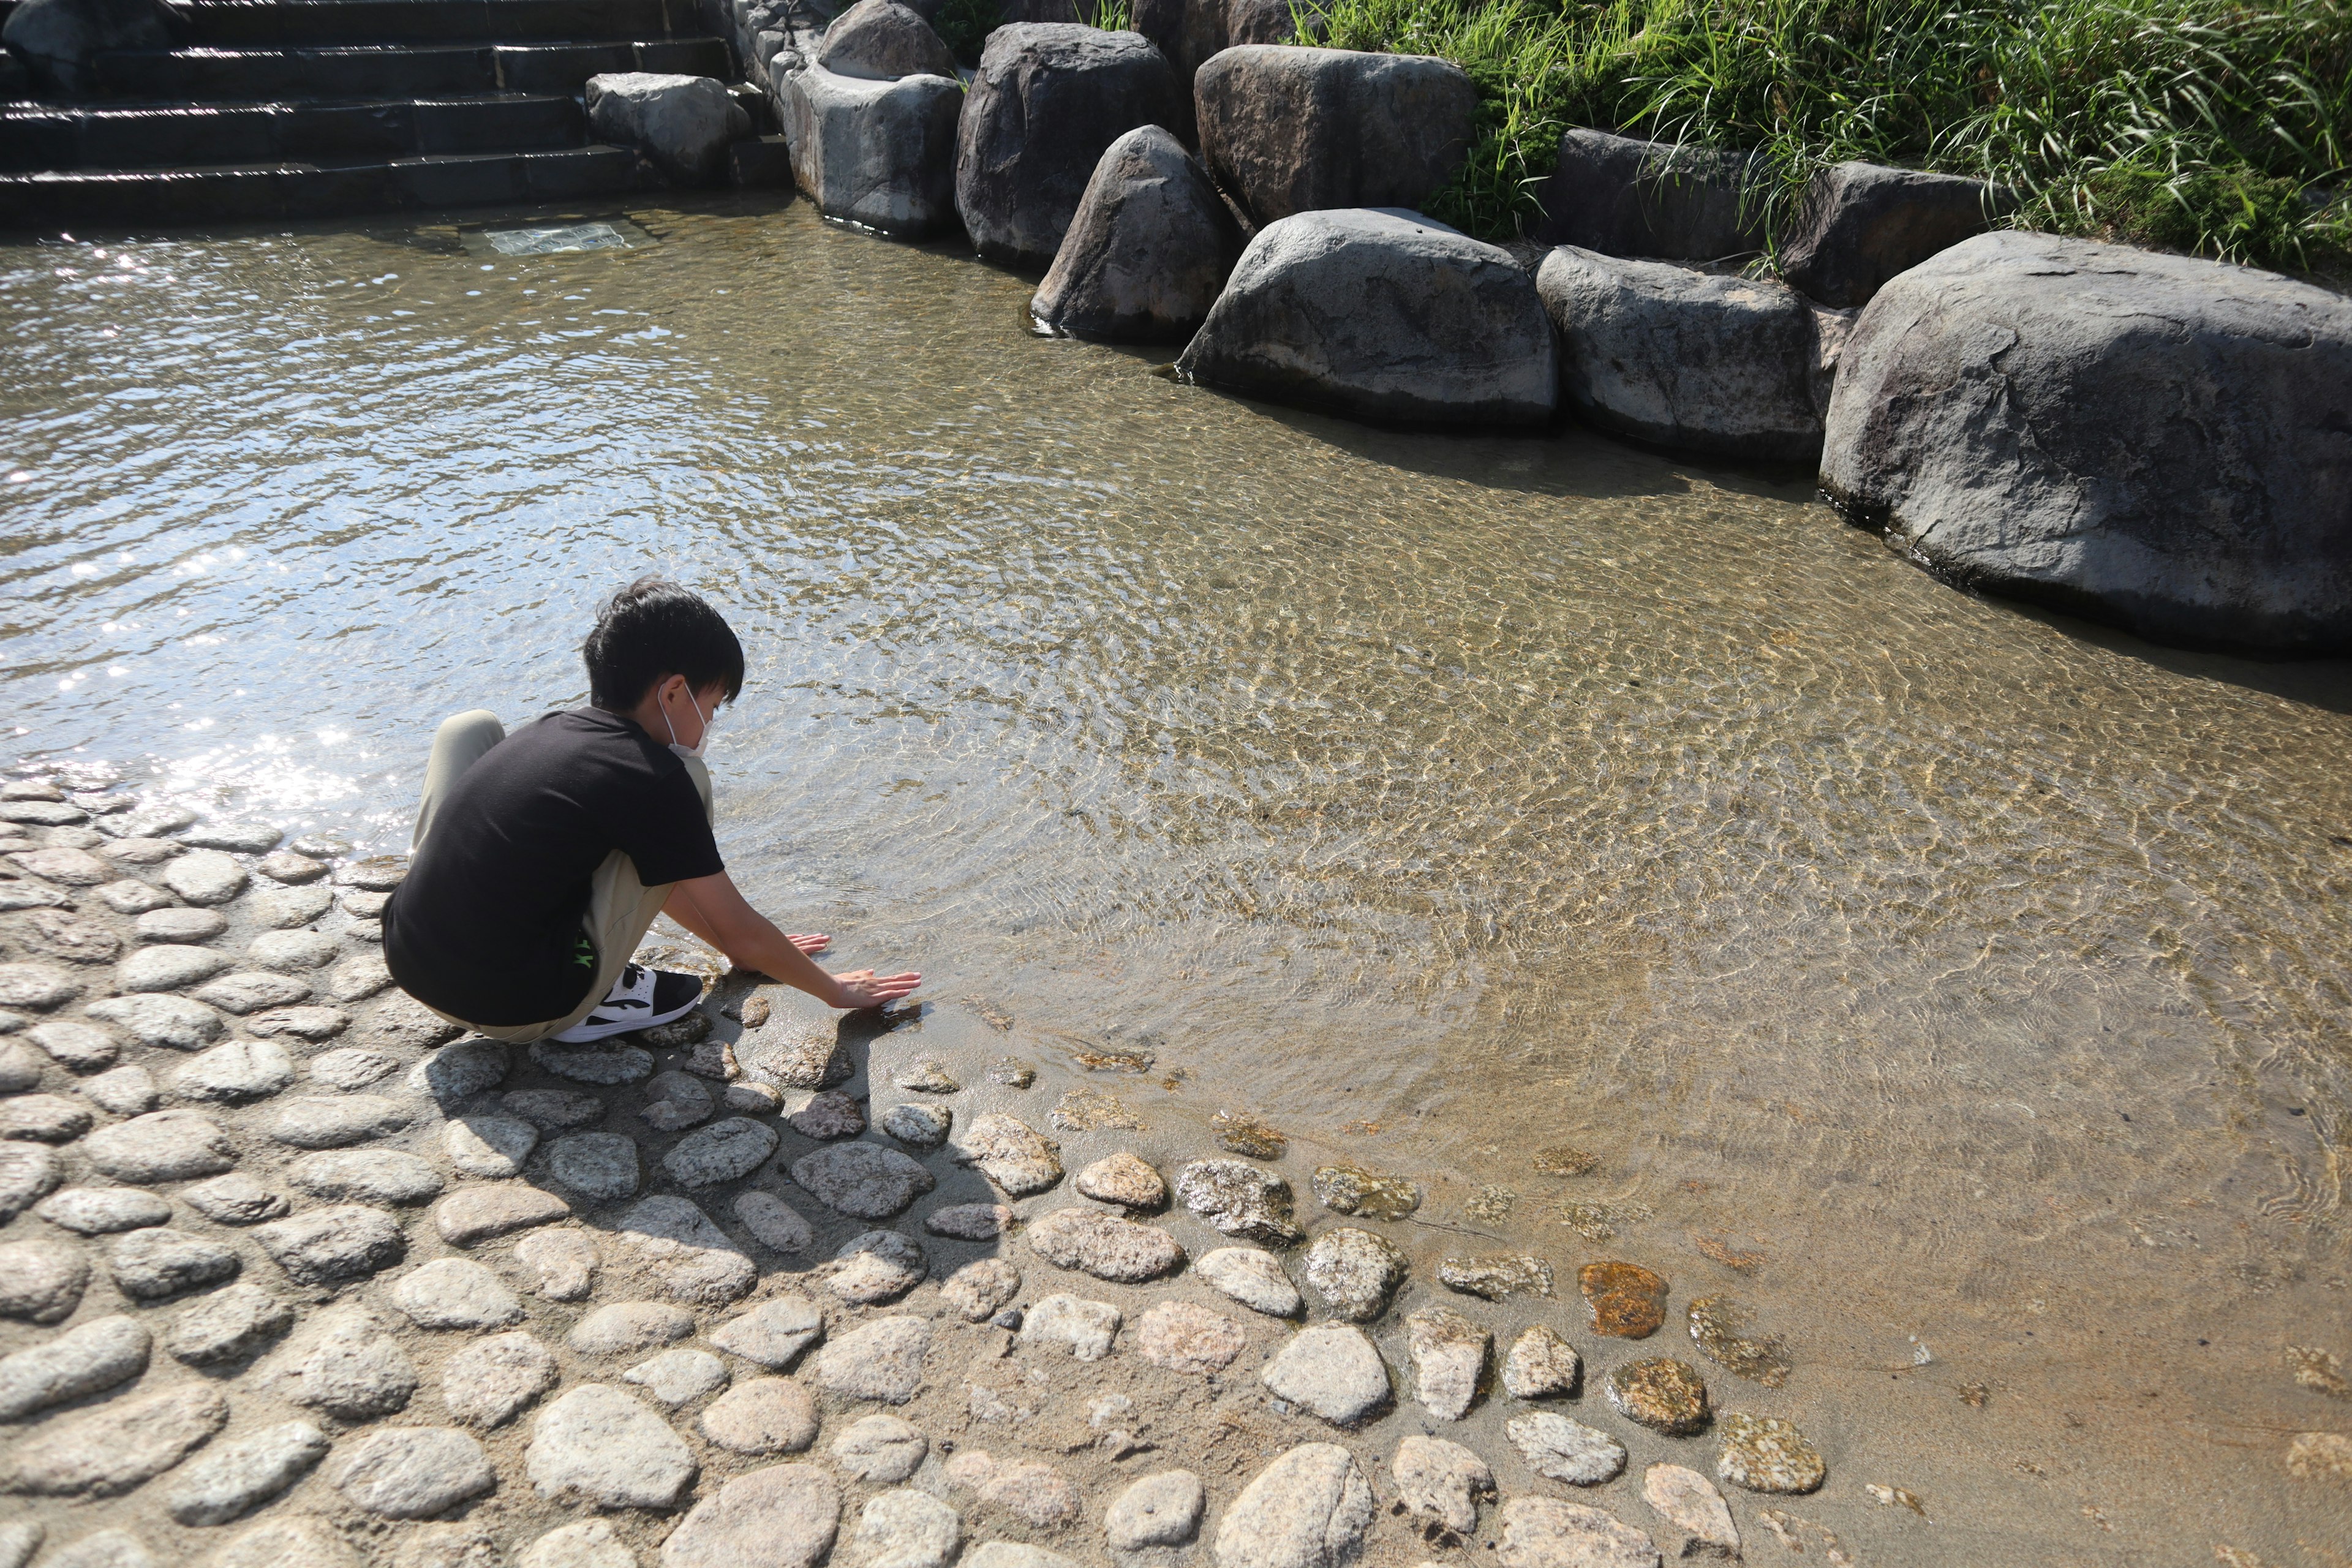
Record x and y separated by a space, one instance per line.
331 107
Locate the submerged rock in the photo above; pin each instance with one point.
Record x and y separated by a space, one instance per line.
1290 130
2148 439
1048 99
1239 1199
1765 1454
1719 1326
1628 1300
1497 1276
1352 1189
1382 315
1662 1394
1147 249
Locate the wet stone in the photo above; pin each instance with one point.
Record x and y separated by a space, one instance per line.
42 1118
927 1074
124 1091
235 1199
1085 1329
1660 1392
292 950
1126 1180
1190 1339
610 1449
174 1022
1441 1482
601 1063
102 1211
155 1264
1719 1325
773 1223
590 1543
723 1152
357 978
1541 1365
624 1327
233 1478
132 897
331 1246
228 1325
151 819
600 1166
1016 1156
1449 1357
918 1126
1239 1199
456 1073
907 1529
204 877
828 1115
1333 1371
1765 1454
761 1416
673 1244
676 1101
1253 1277
880 1448
2320 1456
1545 1532
361 905
286 865
236 1073
341 1121
352 1068
456 1293
115 1447
971 1222
1353 1189
27 1173
553 1109
41 1281
285 908
412 1472
490 1147
882 1361
492 1380
1565 1450
376 874
1246 1134
366 1176
1010 1072
560 1265
880 1266
756 1098
1354 1271
773 1333
86 1359
863 1181
479 1214
979 1289
785 1516
245 837
1497 1276
677 1377
1689 1501
1309 1508
1628 1300
1104 1245
307 1023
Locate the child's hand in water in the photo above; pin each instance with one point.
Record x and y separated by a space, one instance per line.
863 988
813 942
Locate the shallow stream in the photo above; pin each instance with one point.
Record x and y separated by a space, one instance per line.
1960 989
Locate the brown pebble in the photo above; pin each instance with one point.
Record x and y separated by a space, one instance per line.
1627 1300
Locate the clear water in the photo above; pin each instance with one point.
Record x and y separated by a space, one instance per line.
1964 990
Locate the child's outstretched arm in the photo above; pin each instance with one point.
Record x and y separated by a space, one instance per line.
712 909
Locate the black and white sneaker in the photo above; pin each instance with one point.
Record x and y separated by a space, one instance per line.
639 999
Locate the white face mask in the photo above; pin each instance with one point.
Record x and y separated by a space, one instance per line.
709 724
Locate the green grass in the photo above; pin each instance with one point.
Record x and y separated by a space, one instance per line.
2197 125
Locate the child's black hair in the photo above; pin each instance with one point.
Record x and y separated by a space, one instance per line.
652 629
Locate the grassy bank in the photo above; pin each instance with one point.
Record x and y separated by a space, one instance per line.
2196 125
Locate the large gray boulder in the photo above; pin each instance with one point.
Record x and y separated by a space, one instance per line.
1694 361
884 40
1149 250
1048 98
684 124
1289 129
59 40
1384 315
1275 22
1863 223
1624 197
2153 440
880 155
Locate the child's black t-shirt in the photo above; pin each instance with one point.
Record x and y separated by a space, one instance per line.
487 926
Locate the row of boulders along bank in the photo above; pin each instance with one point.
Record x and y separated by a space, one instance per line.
2151 440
